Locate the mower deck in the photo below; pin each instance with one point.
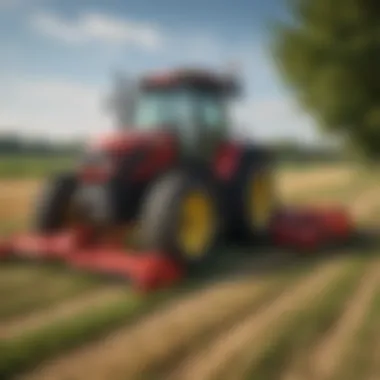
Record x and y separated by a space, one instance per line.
145 270
304 229
310 228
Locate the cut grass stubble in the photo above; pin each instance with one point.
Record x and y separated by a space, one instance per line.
311 322
206 324
28 350
43 287
223 351
32 348
361 361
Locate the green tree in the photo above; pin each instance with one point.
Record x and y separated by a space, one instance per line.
329 54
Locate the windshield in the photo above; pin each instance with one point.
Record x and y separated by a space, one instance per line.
172 108
197 116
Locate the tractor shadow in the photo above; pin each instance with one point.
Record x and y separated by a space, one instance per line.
244 260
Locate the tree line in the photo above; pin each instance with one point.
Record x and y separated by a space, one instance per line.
14 145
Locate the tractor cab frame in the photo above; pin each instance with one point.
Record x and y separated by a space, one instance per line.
192 104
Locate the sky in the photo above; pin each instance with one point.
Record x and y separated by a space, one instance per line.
58 57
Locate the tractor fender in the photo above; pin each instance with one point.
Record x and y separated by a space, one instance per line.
233 156
227 160
197 167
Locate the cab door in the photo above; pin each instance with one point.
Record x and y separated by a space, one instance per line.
211 123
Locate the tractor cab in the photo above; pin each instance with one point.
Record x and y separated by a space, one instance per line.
191 104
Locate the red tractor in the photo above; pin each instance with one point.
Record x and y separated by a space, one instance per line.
176 174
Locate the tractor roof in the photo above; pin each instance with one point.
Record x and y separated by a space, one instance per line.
195 78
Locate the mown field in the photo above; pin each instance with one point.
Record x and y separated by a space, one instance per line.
254 315
28 166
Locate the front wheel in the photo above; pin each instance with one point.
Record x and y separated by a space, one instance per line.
180 216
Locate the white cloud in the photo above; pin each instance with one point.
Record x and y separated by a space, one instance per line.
95 27
52 108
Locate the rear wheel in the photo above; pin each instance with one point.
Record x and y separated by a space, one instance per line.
180 216
54 205
253 200
259 201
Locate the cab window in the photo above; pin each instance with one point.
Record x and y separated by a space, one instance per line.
211 112
173 108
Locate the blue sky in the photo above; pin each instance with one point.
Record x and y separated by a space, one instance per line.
57 57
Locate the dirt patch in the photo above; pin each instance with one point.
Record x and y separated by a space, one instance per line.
367 205
18 186
16 199
290 182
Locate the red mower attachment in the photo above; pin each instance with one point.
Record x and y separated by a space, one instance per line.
310 228
300 228
47 247
146 271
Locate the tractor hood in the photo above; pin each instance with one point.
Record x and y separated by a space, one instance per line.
115 153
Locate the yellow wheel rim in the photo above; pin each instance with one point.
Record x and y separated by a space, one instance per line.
197 224
260 200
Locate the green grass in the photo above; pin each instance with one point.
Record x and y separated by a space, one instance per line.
30 349
16 276
9 227
275 283
307 326
14 167
46 290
